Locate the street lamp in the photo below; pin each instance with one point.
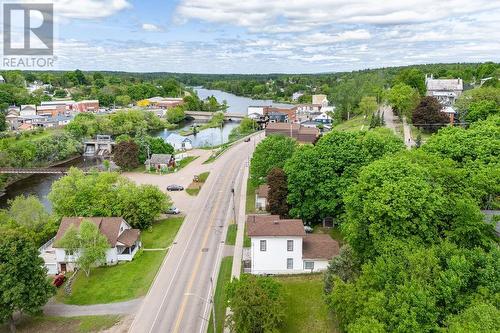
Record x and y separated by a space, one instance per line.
208 301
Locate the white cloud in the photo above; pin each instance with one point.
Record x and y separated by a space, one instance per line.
151 27
281 16
84 9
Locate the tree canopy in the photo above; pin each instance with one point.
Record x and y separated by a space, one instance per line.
319 175
24 286
272 152
428 115
107 194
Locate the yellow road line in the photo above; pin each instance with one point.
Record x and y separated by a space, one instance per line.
198 259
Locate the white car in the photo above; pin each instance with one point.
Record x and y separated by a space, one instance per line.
173 210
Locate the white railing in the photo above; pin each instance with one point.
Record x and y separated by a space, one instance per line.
47 244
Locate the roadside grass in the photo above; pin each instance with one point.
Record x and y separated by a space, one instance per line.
414 133
247 242
195 187
127 280
250 202
193 191
162 234
354 124
232 229
47 324
220 295
185 161
305 309
334 233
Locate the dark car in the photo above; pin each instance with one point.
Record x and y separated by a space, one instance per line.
247 140
58 280
175 187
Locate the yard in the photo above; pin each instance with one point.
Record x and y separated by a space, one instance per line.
44 324
128 280
220 295
335 233
305 309
356 123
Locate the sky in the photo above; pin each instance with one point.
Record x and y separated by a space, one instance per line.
266 36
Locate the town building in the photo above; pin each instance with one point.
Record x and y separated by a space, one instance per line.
86 106
297 95
261 195
163 102
50 110
123 240
300 133
320 100
179 142
283 247
446 91
28 110
160 162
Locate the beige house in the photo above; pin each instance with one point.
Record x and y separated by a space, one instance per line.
261 195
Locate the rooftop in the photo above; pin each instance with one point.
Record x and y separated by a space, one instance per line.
319 246
263 191
271 225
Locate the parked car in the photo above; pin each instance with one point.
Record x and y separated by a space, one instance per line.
247 140
308 229
173 210
175 187
58 280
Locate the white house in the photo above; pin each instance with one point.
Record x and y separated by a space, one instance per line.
446 91
256 109
320 99
283 247
179 142
261 195
28 110
124 243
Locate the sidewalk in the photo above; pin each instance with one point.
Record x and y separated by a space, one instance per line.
66 310
238 247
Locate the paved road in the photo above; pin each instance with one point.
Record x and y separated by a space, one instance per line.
390 122
176 301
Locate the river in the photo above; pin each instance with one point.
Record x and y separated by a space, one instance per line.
40 185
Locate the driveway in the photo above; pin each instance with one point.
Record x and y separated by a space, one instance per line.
183 177
65 310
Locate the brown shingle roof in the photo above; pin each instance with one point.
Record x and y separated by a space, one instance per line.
263 191
129 237
108 226
271 225
319 246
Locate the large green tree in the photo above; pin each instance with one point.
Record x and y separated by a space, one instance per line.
414 78
24 286
420 289
257 304
403 99
272 152
319 175
107 194
411 197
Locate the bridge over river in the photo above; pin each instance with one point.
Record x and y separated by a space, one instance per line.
31 171
204 115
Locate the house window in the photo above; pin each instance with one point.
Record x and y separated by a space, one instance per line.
263 245
289 263
309 265
289 245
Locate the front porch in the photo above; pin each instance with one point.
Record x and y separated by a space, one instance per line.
127 253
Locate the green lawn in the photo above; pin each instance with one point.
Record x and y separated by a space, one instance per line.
193 191
247 242
231 234
202 177
305 309
128 280
185 161
250 204
162 233
45 324
220 295
353 124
